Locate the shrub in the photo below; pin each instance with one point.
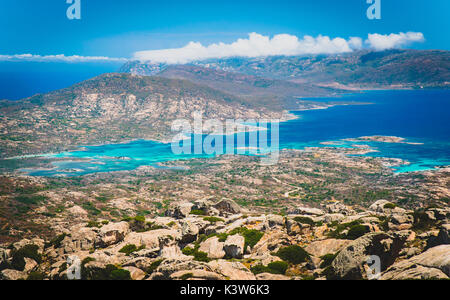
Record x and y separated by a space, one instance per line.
213 219
35 276
258 269
188 251
110 272
338 232
154 266
293 254
198 255
198 212
93 224
130 248
356 231
422 221
201 256
384 223
251 236
29 251
304 220
30 199
327 259
91 208
120 274
140 219
186 276
278 267
56 241
389 206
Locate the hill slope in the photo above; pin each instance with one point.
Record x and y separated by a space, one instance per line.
112 108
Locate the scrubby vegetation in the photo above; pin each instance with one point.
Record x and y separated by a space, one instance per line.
251 236
293 254
327 259
349 231
277 267
130 248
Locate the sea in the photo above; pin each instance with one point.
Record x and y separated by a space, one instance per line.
421 117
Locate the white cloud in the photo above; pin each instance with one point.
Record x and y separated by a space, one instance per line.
282 44
58 58
256 45
393 40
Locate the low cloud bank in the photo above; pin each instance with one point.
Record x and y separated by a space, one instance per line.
383 42
257 45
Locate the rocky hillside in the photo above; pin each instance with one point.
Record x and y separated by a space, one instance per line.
113 108
357 70
275 94
221 241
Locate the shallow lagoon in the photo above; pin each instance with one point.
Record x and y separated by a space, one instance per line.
421 117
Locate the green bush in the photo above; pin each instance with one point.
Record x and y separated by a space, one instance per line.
213 219
251 236
201 256
139 219
356 231
293 254
154 266
198 255
305 220
422 221
130 248
30 199
29 251
278 267
389 206
188 251
198 212
258 269
120 274
56 241
340 228
93 224
327 260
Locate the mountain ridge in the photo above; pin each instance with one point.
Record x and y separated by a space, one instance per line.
365 69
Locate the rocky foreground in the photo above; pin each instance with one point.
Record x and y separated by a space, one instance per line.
221 241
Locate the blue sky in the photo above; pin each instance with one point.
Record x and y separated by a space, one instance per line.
118 28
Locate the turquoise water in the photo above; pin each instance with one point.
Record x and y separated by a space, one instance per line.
421 117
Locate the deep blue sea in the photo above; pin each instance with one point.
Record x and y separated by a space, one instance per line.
421 117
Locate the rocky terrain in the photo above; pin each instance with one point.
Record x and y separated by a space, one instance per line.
222 241
43 206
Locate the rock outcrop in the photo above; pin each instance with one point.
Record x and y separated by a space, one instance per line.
334 242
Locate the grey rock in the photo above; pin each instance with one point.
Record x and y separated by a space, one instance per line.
228 206
234 246
350 263
432 264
